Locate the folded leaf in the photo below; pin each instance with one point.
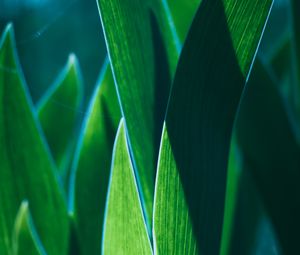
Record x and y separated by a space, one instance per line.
25 239
265 135
90 173
61 100
210 77
131 28
125 230
26 169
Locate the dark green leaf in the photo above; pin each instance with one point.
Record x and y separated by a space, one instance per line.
26 169
92 163
212 70
267 140
125 230
62 101
25 239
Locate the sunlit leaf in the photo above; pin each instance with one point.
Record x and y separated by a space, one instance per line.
125 230
90 173
26 169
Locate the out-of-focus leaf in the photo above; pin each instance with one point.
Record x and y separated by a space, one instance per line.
267 140
295 4
251 231
233 179
281 59
26 168
212 70
58 112
90 173
130 37
25 239
125 230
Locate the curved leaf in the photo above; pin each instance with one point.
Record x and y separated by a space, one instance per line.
212 70
61 100
90 173
125 230
26 169
25 239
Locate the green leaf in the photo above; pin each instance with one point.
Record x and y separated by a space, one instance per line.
25 239
267 139
212 70
183 13
26 169
132 28
125 230
90 173
61 100
232 193
172 224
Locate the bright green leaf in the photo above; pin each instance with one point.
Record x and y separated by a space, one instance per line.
90 173
61 100
211 73
125 230
26 169
25 239
171 220
132 28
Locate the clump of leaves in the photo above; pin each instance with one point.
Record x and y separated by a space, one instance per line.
163 163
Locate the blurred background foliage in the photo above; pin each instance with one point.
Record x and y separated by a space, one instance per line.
47 31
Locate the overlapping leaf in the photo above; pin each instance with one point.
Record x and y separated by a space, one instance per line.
62 101
125 230
136 69
26 169
267 139
91 167
202 108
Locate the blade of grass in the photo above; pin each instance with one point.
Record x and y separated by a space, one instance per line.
25 239
26 168
62 99
212 70
125 230
91 167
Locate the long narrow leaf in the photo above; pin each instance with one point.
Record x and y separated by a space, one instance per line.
26 169
62 99
25 239
212 70
125 230
90 173
131 28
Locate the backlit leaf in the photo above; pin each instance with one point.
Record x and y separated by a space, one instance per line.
125 230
